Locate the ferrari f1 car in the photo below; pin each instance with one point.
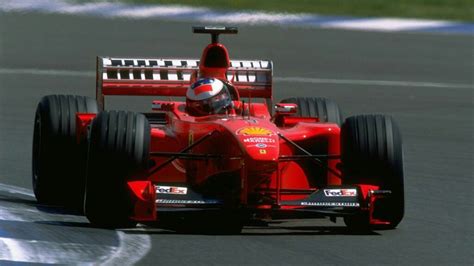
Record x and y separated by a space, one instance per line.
295 158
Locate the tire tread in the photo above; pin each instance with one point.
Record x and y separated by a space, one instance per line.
119 151
371 153
60 153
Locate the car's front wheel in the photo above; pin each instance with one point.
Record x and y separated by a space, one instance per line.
372 154
118 152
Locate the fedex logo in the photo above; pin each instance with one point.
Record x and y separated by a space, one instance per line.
171 190
343 192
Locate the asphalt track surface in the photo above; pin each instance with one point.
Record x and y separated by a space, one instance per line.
436 122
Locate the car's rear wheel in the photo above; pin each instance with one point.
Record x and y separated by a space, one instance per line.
371 151
58 172
118 152
325 109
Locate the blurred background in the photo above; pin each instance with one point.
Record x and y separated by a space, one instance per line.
461 10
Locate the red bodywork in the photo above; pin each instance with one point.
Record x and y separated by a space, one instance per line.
248 159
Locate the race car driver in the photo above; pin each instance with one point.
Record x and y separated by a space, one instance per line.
208 96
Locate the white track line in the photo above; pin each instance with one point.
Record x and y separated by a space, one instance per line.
393 83
47 72
132 247
375 82
385 24
38 251
16 190
10 250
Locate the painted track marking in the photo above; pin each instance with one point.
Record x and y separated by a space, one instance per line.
134 248
85 73
37 251
46 72
375 82
131 249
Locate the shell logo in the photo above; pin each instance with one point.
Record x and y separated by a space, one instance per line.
254 131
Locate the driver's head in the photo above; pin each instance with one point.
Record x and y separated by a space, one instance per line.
208 96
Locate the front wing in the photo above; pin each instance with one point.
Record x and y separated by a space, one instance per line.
331 201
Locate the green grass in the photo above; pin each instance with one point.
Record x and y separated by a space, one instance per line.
428 9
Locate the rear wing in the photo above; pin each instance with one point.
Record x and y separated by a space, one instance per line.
171 77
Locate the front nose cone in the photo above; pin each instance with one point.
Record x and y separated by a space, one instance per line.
262 152
260 144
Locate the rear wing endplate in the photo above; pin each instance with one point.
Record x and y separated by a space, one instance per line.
171 77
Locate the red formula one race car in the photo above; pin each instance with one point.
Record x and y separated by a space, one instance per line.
226 151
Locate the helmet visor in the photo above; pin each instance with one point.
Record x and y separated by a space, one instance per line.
215 105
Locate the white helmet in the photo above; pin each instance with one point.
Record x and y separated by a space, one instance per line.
207 96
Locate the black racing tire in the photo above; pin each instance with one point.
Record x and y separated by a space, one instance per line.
371 153
118 152
326 110
59 162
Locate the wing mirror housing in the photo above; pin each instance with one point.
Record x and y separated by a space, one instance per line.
282 109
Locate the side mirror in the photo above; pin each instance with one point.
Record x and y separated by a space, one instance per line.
285 109
162 106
